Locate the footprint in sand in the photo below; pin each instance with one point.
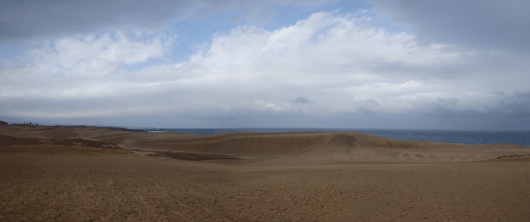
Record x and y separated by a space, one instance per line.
419 155
405 155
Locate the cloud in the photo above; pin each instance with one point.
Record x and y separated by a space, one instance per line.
86 67
267 106
300 100
20 20
450 101
101 54
355 73
481 25
327 55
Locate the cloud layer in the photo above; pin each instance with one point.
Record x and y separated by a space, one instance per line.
491 25
327 70
29 19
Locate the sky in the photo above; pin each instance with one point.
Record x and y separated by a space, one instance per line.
375 64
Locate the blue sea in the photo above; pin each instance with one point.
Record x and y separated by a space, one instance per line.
443 136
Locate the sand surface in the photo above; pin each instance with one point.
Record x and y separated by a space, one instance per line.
98 174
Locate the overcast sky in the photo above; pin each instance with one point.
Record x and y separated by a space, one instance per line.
401 64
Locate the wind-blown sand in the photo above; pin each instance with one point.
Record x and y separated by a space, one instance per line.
99 174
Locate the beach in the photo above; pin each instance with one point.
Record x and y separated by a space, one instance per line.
101 174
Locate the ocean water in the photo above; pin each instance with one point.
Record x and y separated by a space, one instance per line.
443 136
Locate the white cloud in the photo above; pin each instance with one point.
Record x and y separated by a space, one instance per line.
82 66
340 63
267 106
327 56
98 55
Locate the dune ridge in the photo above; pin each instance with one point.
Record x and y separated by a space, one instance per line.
284 148
329 147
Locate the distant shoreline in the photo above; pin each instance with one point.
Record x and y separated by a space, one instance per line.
517 137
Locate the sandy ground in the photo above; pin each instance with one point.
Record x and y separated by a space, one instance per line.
86 173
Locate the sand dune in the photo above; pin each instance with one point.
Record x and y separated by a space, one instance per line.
16 145
284 148
98 174
341 147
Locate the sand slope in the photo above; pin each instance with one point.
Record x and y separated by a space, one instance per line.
83 174
283 148
136 188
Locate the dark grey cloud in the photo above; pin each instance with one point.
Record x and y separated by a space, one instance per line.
28 18
504 111
491 120
23 19
518 103
450 101
497 25
508 111
300 100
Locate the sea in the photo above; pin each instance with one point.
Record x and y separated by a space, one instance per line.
443 136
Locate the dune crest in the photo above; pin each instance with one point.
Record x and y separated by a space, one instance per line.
281 148
332 147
